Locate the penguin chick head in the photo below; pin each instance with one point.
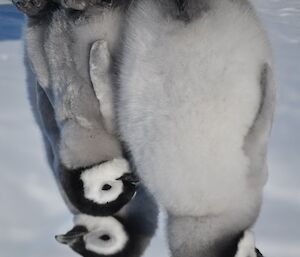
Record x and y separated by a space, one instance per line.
96 236
101 190
104 236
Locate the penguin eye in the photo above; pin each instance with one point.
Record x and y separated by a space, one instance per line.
105 237
106 187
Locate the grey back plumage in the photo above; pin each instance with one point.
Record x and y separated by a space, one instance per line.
63 97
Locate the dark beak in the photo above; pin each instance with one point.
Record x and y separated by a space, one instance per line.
258 253
70 238
131 178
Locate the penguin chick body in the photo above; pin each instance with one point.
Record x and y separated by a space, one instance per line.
73 105
196 102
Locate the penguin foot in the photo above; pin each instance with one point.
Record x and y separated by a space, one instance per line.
30 7
77 4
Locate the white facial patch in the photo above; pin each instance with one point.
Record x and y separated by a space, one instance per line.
100 182
246 247
108 238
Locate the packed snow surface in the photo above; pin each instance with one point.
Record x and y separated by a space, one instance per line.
32 211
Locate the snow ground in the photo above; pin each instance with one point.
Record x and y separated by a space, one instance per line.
32 211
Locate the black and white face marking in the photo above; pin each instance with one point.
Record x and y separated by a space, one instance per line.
102 183
98 236
127 234
101 190
108 238
104 236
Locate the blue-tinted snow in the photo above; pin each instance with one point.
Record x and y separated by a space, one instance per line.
10 22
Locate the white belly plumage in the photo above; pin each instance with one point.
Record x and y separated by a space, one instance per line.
189 96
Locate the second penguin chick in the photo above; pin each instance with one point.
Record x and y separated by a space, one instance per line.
73 105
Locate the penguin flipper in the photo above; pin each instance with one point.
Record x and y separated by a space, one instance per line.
100 76
255 144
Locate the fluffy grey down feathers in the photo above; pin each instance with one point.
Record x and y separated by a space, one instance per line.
197 89
73 103
195 102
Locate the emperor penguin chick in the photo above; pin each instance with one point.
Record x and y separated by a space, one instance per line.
72 101
195 108
126 234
